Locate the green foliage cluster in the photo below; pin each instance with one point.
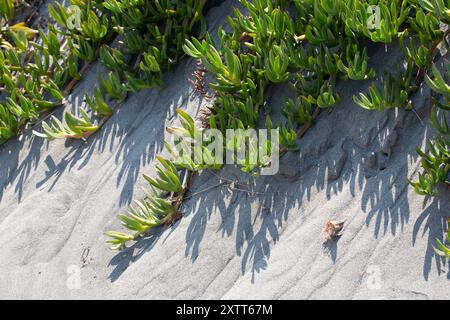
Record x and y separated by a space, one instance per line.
150 33
436 160
77 127
32 74
157 208
7 8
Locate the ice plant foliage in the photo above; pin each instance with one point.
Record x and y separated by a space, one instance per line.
39 67
155 209
436 160
74 127
159 206
7 8
394 93
311 44
442 249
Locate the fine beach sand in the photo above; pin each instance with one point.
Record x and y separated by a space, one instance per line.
57 199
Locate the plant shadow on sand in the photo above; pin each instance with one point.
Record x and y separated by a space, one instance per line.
370 163
361 156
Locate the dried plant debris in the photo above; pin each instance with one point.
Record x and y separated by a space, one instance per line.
333 229
199 82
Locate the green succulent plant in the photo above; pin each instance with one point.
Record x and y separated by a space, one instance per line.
327 97
95 28
276 65
82 49
141 217
421 56
7 9
322 28
436 164
438 8
358 17
299 110
188 156
35 67
426 25
311 44
98 104
436 160
355 63
113 86
288 137
113 59
442 249
21 106
150 63
9 124
59 13
324 62
155 209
